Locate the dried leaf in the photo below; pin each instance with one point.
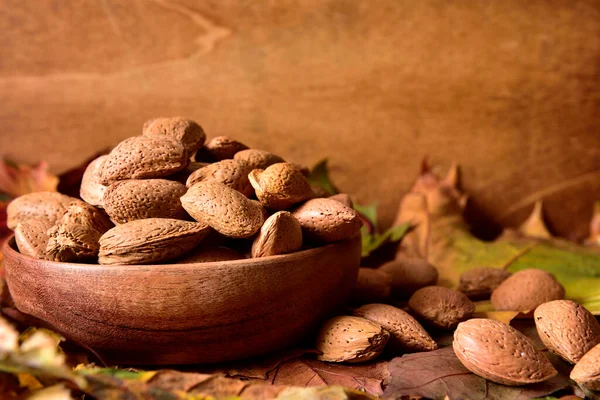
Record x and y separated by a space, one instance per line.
439 373
307 372
535 226
322 393
260 368
18 179
502 316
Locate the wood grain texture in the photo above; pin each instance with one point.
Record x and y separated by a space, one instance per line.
186 313
508 89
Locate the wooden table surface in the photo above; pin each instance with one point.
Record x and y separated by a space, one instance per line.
509 89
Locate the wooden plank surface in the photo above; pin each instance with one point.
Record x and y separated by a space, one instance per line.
509 89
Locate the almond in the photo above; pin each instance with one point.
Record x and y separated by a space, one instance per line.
224 209
257 159
75 236
39 205
409 274
441 307
372 285
344 199
141 157
151 240
525 290
32 237
567 329
210 254
350 339
326 220
479 283
220 148
126 201
587 371
231 173
187 132
91 190
280 234
280 186
183 175
406 334
500 353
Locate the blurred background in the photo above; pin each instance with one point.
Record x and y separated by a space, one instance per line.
508 89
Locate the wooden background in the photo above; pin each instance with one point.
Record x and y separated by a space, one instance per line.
510 89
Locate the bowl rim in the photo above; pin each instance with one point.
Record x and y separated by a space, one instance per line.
9 248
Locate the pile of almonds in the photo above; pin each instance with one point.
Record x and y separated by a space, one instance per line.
489 348
167 196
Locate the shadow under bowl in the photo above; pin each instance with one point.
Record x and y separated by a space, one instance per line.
185 313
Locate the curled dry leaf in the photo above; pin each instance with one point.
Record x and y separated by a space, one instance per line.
126 201
441 307
280 186
406 334
75 236
91 190
187 132
280 234
39 205
326 220
150 240
224 209
587 371
143 157
350 339
32 237
479 283
567 329
232 173
500 353
220 148
372 286
409 274
525 290
257 159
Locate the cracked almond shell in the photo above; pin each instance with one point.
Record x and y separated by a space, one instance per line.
280 186
500 353
406 334
187 132
232 173
75 236
587 371
280 234
143 157
220 148
126 201
39 205
257 159
32 237
567 329
150 240
441 307
224 209
327 220
479 283
91 190
350 339
525 290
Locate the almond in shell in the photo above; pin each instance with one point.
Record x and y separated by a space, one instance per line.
220 148
350 339
479 283
441 307
224 209
406 334
525 290
39 205
143 157
32 237
280 234
587 371
280 186
567 329
372 286
150 240
126 201
327 220
409 274
257 159
500 353
187 132
232 173
91 190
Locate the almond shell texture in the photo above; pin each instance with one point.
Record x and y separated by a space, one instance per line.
220 148
187 132
32 237
280 234
232 173
479 283
257 159
409 274
525 290
441 307
91 190
280 186
326 220
39 205
587 371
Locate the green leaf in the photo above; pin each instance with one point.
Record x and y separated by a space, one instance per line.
372 242
319 176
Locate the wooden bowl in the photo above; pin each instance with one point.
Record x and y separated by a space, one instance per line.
185 313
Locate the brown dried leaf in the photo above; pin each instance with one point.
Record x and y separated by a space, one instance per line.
19 179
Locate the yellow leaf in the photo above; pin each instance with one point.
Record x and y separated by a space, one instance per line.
29 381
502 316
